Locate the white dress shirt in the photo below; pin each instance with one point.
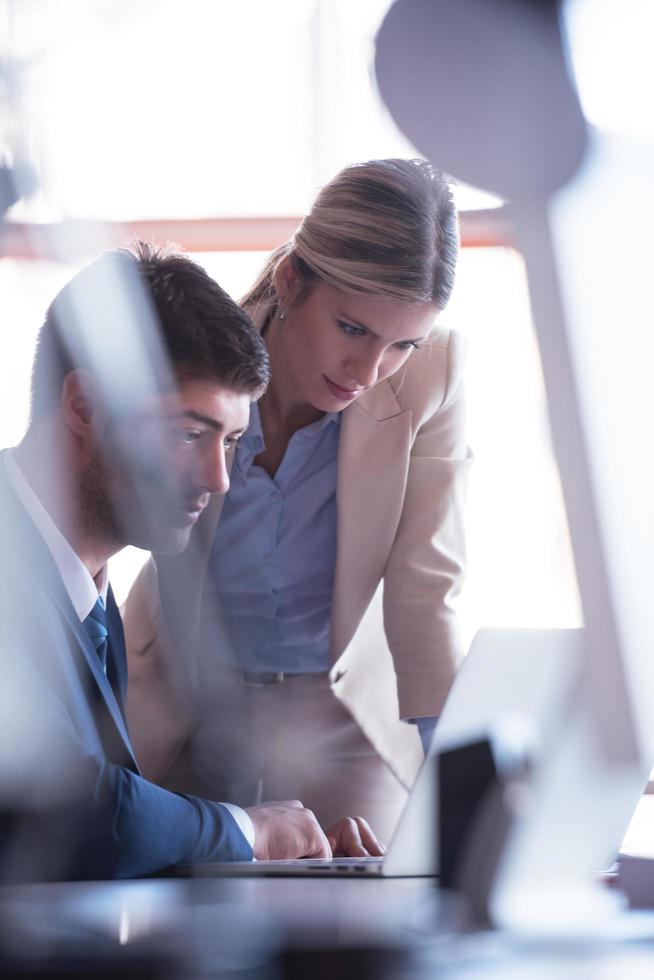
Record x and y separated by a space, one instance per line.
78 581
80 585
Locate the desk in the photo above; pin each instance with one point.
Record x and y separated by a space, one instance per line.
287 928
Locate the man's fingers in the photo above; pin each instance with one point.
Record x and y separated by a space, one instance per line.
371 843
287 829
353 837
325 847
321 845
347 837
354 846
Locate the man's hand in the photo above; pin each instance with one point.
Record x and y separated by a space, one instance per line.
352 837
287 830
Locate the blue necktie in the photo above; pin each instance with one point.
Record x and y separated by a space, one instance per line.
96 626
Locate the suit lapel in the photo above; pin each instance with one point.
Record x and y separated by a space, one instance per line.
373 460
65 606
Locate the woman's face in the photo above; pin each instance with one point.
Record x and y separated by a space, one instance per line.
333 345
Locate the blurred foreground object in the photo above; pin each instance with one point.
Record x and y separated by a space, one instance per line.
483 87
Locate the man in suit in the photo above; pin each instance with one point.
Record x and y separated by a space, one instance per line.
141 386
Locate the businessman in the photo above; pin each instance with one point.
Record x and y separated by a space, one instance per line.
141 386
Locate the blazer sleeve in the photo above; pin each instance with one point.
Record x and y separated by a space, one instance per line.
426 565
133 827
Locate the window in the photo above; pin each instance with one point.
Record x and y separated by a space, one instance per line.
197 110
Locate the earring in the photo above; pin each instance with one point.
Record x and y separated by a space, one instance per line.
281 312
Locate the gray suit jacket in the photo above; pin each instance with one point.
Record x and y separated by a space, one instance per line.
73 801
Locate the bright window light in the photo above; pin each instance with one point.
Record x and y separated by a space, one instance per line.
203 109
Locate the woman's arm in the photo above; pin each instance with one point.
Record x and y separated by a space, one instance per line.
426 566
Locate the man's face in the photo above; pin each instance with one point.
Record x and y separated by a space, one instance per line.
166 461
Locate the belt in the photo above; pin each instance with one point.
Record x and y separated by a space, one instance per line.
262 678
269 678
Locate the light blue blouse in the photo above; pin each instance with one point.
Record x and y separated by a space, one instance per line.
273 558
271 570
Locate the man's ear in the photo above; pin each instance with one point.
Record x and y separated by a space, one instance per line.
80 403
287 282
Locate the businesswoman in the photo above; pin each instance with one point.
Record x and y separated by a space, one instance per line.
306 638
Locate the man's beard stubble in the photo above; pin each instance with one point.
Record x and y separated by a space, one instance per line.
119 506
98 517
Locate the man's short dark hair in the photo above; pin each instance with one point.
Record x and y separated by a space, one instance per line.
204 332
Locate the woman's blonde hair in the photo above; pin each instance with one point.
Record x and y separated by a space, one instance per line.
386 228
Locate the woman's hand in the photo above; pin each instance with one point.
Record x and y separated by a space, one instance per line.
352 837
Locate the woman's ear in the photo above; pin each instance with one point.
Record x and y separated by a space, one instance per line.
287 282
79 402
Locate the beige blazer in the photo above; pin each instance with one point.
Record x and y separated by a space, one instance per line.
402 468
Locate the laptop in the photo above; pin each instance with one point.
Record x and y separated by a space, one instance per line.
512 679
